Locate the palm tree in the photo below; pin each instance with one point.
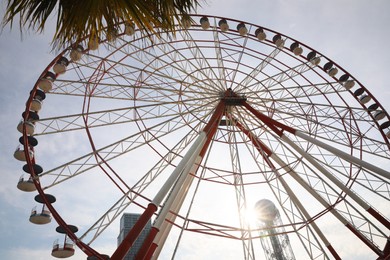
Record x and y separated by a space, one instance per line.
78 18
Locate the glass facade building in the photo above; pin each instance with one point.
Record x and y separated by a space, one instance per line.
126 223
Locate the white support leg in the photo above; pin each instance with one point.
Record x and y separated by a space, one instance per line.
345 155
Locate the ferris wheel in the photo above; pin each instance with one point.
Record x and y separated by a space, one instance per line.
190 129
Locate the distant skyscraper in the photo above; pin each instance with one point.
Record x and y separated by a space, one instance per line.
127 222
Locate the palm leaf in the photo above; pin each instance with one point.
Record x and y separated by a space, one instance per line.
76 19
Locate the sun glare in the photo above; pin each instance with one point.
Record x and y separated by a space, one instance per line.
250 218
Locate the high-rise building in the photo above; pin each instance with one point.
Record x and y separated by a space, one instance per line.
273 238
127 222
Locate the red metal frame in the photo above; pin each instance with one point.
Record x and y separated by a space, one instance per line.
133 234
89 251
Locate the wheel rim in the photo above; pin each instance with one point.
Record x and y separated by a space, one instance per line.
175 84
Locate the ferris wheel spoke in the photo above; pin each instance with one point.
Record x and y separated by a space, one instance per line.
131 91
103 118
290 204
298 91
240 196
173 185
316 195
161 237
202 61
128 198
330 122
114 150
336 135
356 231
120 90
240 56
274 126
256 71
350 212
173 61
349 158
220 62
275 80
285 127
360 234
270 81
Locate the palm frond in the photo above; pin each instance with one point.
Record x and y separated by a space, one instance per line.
77 19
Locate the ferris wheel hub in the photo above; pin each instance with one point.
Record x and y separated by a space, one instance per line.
231 98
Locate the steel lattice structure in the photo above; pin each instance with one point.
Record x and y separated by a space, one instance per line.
194 127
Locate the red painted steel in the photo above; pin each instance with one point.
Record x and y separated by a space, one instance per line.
364 240
271 123
261 147
146 246
130 238
379 217
210 130
333 252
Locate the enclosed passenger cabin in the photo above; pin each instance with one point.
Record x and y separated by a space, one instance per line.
41 216
26 184
36 103
204 23
19 153
46 82
76 53
223 25
65 248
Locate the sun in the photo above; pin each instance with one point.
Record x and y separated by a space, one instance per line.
250 218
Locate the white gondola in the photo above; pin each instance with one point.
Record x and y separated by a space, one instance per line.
365 99
66 248
93 43
40 217
260 34
112 35
21 156
204 23
296 49
315 61
26 184
129 28
349 84
333 71
30 127
19 153
186 22
36 105
76 53
223 25
46 83
63 250
277 39
60 66
379 115
242 30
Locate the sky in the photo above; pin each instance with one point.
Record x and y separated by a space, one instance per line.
351 32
